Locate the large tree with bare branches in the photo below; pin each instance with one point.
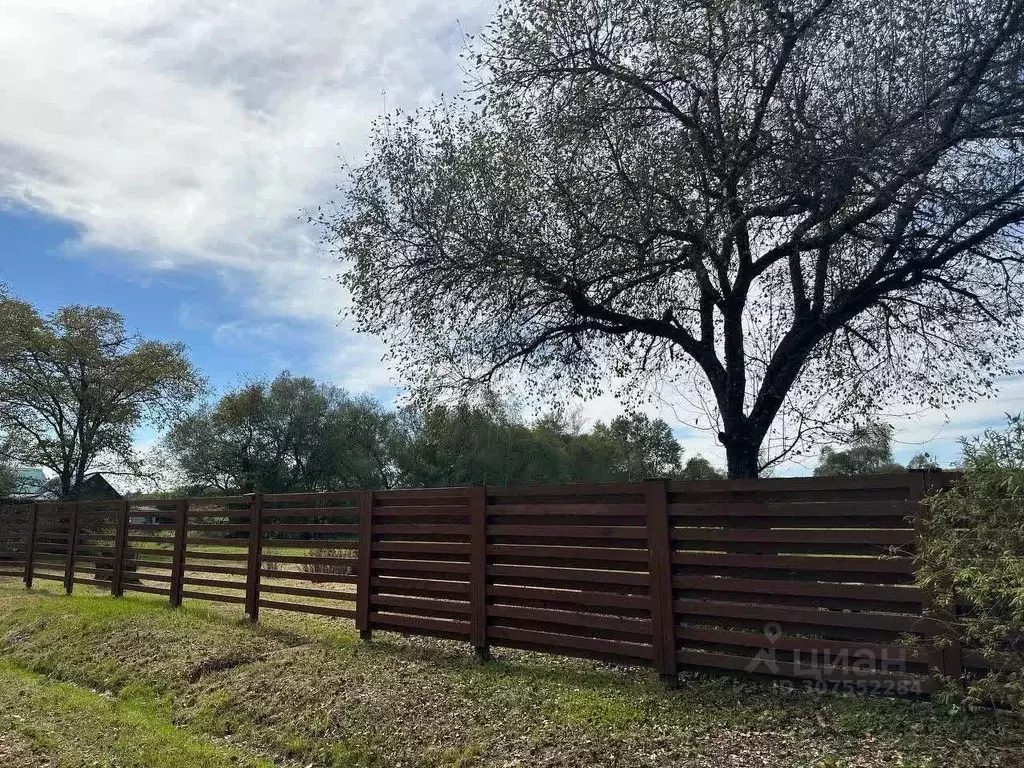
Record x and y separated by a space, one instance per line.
797 211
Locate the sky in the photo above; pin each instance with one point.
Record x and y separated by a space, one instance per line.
159 157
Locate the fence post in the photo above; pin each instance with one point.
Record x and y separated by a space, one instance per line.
120 536
950 655
30 549
69 568
365 562
252 582
659 548
478 572
178 558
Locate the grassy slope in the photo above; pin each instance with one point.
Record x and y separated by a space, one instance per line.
48 723
303 691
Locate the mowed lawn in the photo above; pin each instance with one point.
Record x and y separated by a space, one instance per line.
95 681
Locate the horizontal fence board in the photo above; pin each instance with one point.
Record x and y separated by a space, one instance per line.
460 549
148 563
884 653
224 569
791 536
609 554
825 618
213 598
382 565
399 622
394 584
193 554
766 588
215 583
555 642
570 531
623 624
897 510
578 575
133 587
591 599
597 511
898 565
420 528
326 594
164 577
432 606
320 610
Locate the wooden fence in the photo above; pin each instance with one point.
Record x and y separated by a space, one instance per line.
809 579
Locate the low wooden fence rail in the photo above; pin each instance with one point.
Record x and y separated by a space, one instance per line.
809 579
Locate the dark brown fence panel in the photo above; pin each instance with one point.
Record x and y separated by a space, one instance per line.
146 543
216 559
50 547
15 530
809 578
567 571
308 553
95 542
420 562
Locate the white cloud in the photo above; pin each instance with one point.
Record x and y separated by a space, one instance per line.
193 134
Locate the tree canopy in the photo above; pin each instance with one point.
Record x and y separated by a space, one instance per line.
794 212
291 434
76 384
294 434
868 452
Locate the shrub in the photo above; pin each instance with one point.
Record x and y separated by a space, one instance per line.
971 558
325 566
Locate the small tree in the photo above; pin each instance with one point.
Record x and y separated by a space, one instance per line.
869 452
699 468
971 558
75 385
794 211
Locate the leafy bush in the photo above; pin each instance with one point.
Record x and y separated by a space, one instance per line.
971 559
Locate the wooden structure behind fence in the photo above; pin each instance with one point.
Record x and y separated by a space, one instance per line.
807 578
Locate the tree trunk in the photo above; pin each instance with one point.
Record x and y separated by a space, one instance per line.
741 453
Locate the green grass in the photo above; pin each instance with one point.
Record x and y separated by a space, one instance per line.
59 722
304 691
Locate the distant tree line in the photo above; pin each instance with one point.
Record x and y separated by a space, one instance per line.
296 434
